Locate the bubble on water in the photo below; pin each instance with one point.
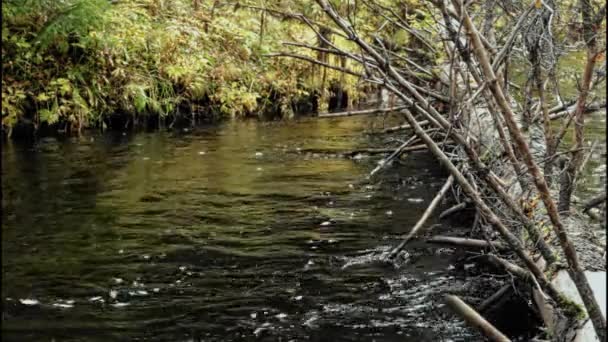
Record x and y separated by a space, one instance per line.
65 304
156 290
182 268
117 280
351 186
309 322
253 315
113 294
146 257
326 223
138 293
259 169
146 158
121 251
120 304
259 154
202 153
298 298
415 200
96 299
281 316
29 301
259 330
389 213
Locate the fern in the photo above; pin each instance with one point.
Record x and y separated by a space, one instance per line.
75 18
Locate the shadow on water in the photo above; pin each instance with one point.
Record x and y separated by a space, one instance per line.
225 233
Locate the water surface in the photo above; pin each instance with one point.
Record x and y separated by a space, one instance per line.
224 233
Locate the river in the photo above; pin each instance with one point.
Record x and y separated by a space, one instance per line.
223 233
214 233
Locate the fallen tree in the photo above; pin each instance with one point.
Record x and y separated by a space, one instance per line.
502 156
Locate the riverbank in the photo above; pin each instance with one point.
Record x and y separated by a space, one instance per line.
69 66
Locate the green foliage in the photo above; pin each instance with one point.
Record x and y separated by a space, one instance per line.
74 20
79 60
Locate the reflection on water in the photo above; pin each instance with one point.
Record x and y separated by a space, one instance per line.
224 233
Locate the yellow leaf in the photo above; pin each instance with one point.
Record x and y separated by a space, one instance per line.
42 97
538 3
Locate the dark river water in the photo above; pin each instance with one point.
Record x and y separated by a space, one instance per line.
225 233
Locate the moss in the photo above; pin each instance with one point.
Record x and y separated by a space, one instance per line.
571 309
552 269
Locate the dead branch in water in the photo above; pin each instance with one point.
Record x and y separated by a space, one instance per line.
403 127
508 266
595 202
493 298
427 213
386 161
453 209
361 112
473 318
467 243
367 151
593 107
420 147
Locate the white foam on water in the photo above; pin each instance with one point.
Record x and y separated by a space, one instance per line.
29 301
